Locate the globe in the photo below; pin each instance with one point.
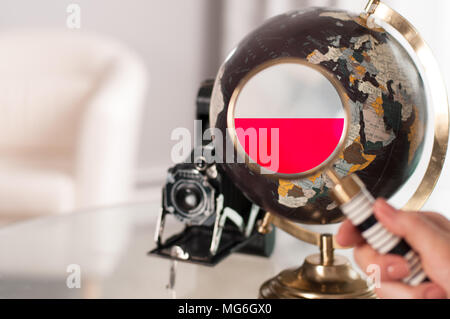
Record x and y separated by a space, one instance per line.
383 90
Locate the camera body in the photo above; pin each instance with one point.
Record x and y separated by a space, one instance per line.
218 218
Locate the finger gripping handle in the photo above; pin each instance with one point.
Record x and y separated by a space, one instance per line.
359 211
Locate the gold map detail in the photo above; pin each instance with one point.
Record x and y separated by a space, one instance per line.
284 187
354 154
378 106
415 135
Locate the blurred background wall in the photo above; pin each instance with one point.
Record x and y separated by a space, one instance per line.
182 42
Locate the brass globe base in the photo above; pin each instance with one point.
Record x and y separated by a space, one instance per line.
323 275
315 280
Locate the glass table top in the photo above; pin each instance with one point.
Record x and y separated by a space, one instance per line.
105 251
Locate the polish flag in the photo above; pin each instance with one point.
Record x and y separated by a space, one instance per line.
303 143
296 128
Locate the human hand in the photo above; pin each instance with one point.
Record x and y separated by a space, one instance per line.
427 233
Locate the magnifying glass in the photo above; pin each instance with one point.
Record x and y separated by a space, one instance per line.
280 123
281 127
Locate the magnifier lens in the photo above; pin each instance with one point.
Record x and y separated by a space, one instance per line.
289 119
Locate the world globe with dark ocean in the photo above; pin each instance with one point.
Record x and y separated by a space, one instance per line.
384 91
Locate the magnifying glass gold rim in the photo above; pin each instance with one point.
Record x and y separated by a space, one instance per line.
232 109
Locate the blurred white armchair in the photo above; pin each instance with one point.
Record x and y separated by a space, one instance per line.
70 106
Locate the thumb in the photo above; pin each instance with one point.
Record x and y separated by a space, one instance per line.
417 231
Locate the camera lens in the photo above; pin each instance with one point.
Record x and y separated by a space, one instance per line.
188 197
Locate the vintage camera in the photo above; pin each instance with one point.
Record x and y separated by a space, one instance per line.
218 218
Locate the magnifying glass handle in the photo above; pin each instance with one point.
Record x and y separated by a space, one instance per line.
356 203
